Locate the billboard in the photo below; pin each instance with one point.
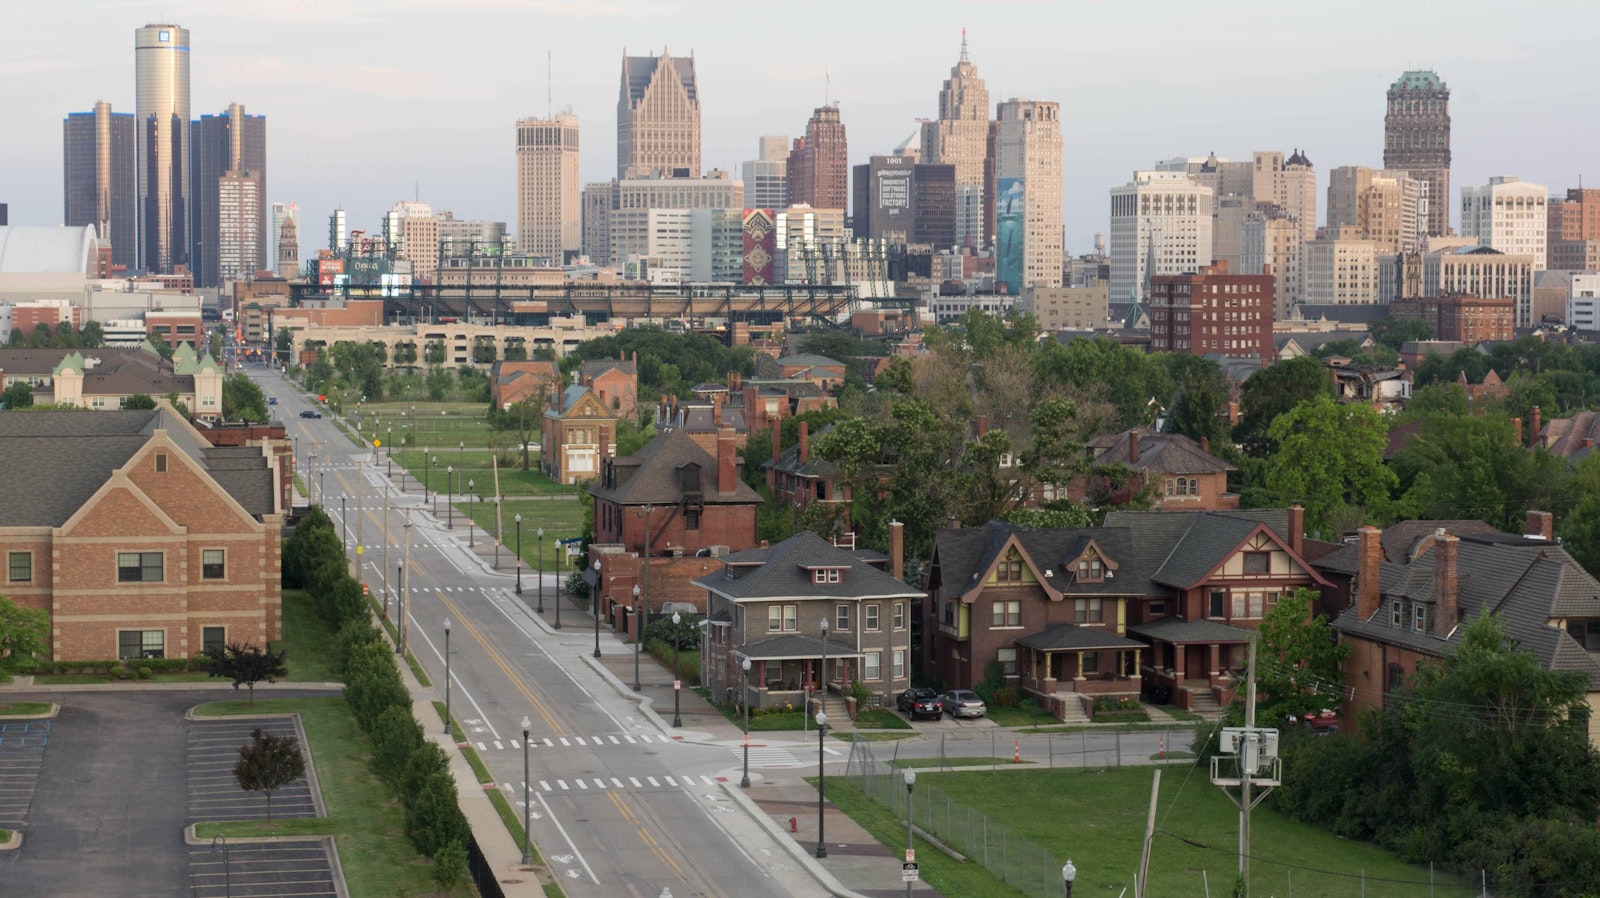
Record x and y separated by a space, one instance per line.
760 246
1008 233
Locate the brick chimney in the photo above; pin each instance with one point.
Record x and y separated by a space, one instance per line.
805 442
983 425
1533 427
1297 526
1233 412
1369 545
952 523
1516 423
716 410
1539 524
1205 445
733 381
897 549
605 443
727 471
1133 447
1444 583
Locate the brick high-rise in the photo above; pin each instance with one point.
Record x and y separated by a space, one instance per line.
819 164
1416 139
1213 312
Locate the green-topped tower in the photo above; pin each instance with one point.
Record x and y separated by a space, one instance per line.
1416 139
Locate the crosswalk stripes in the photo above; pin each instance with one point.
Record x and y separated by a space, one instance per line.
763 756
612 784
604 741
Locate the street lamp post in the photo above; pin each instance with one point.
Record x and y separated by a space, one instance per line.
391 453
822 668
540 562
822 721
322 488
638 635
595 603
518 519
447 676
744 699
461 457
449 490
311 479
677 684
1069 875
911 781
527 806
404 602
427 475
470 486
344 525
498 532
227 864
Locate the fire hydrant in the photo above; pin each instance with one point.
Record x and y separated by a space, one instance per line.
794 825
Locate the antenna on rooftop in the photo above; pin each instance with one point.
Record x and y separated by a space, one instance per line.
549 104
964 46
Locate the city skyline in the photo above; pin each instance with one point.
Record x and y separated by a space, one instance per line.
353 128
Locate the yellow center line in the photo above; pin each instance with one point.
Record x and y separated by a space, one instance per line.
500 662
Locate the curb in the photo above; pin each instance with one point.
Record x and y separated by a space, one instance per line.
55 710
329 845
825 879
13 843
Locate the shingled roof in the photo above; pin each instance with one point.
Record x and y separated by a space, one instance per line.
965 555
1161 453
651 475
784 571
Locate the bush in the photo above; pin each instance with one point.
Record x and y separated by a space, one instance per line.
1112 703
433 815
576 586
1006 697
994 677
427 761
145 672
450 865
395 735
687 629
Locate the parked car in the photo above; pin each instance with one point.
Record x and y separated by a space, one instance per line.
962 703
311 413
920 702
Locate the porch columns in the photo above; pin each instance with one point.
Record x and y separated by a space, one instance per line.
1180 667
1138 656
1216 650
1079 674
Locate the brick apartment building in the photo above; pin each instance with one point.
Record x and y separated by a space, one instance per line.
140 538
513 382
1212 313
616 382
1460 318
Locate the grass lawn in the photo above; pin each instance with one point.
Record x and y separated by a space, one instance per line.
513 480
874 735
1097 817
23 709
791 720
1025 714
952 762
310 651
560 518
880 719
377 858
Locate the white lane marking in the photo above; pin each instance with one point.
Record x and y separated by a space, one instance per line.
482 747
562 784
513 743
615 741
498 746
582 784
581 859
630 740
652 781
579 740
616 782
548 743
565 743
636 783
544 785
599 783
671 781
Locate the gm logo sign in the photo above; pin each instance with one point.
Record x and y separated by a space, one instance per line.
164 36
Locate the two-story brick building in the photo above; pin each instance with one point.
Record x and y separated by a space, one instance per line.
514 382
138 537
616 382
1183 475
576 434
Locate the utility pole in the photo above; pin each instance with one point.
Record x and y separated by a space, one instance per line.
1253 754
405 587
386 550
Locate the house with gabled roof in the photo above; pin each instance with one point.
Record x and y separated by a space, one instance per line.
807 615
103 378
1414 590
1182 474
575 434
511 382
616 382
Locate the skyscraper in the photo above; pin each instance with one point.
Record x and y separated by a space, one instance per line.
766 177
549 195
283 239
228 148
99 183
819 164
1508 214
1416 139
1160 224
960 137
161 68
658 117
338 231
1386 206
1027 163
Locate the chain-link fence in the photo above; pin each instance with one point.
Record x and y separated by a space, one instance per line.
1100 747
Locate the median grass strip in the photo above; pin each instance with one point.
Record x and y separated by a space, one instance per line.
363 815
561 518
23 709
956 762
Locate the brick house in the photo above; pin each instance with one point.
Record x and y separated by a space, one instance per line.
806 612
826 373
574 435
139 537
659 514
616 382
797 479
1416 583
513 382
104 378
1149 599
1184 475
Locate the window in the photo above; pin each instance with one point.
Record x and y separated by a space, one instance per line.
783 617
691 520
1091 662
1394 613
139 567
871 621
213 638
841 618
212 564
1214 605
1006 614
1090 570
899 616
825 575
161 463
1008 660
1009 570
1247 604
141 644
1158 609
20 566
1258 562
1088 611
871 670
1419 618
898 662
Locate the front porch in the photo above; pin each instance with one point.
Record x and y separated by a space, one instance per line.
790 669
1067 662
1198 661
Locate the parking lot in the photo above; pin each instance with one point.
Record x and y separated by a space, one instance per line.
22 744
212 750
297 867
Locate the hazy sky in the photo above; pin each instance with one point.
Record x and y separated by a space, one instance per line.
367 101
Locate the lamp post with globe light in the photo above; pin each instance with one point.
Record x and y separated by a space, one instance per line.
518 520
822 722
911 782
1069 875
744 699
638 636
677 684
594 601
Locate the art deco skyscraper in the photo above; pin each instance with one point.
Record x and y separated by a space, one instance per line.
1028 174
549 195
99 185
819 164
161 68
1416 139
960 137
658 117
228 149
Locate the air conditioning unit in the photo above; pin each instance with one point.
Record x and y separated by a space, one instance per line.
675 552
717 551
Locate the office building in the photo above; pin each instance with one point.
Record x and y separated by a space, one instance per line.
338 231
1388 207
284 254
227 148
766 177
412 233
616 213
461 236
99 183
1574 230
933 203
1290 184
1212 312
1340 268
548 196
884 194
1416 140
161 70
1067 308
1583 302
239 231
1161 224
1509 215
1458 317
1470 270
658 117
1270 242
819 164
1028 235
959 137
809 244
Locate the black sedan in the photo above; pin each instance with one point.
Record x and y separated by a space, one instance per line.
311 413
918 702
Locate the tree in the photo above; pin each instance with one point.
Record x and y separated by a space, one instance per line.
214 346
269 763
139 401
242 398
24 636
92 336
1580 526
1199 407
1271 392
1473 467
1330 458
439 383
246 665
283 345
433 353
18 395
1300 670
64 337
1396 332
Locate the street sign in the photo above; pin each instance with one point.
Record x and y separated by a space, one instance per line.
911 855
572 541
908 873
677 684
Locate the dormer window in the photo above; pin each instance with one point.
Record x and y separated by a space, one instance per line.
1009 570
825 575
689 478
1090 570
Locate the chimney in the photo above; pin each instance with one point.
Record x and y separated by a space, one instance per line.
635 358
1205 444
983 425
716 410
1133 447
727 472
605 448
733 381
897 549
1297 526
1233 412
1369 545
805 442
777 442
1533 428
1516 423
1444 583
952 523
1539 525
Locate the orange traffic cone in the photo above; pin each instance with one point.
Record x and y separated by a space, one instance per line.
1163 748
1016 744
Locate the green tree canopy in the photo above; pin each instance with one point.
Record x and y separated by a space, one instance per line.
1271 392
18 395
269 763
1299 667
1472 467
92 336
24 636
243 399
1396 332
1330 458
